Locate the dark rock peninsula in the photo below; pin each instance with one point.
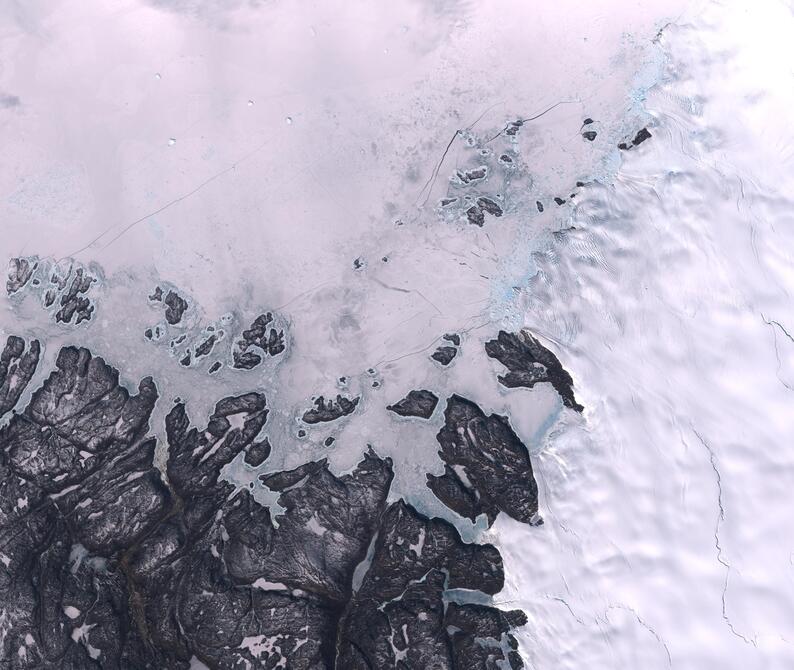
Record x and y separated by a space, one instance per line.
530 363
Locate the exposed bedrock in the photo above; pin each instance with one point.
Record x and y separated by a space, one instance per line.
487 467
444 354
262 338
398 617
420 404
73 304
475 215
642 135
490 206
530 363
326 529
67 282
16 369
105 564
175 307
77 488
330 410
20 270
79 421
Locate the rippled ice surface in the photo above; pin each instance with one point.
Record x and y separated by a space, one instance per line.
671 538
171 141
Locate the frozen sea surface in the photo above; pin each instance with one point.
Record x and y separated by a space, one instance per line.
257 158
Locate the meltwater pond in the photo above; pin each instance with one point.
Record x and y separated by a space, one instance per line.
330 328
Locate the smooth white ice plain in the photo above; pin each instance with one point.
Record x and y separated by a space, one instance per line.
670 535
248 153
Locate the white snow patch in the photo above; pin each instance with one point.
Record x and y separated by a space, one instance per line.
262 644
237 421
71 612
314 525
265 585
417 546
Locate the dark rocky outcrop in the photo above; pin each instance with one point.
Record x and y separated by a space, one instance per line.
330 410
472 176
185 571
260 339
77 487
64 286
175 307
257 453
420 404
74 305
639 138
481 636
324 534
444 354
461 497
475 215
80 421
204 348
398 618
106 564
20 270
530 363
487 466
490 206
513 127
16 369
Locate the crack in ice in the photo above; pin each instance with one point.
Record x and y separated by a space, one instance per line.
549 507
717 542
568 607
644 624
772 324
167 205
